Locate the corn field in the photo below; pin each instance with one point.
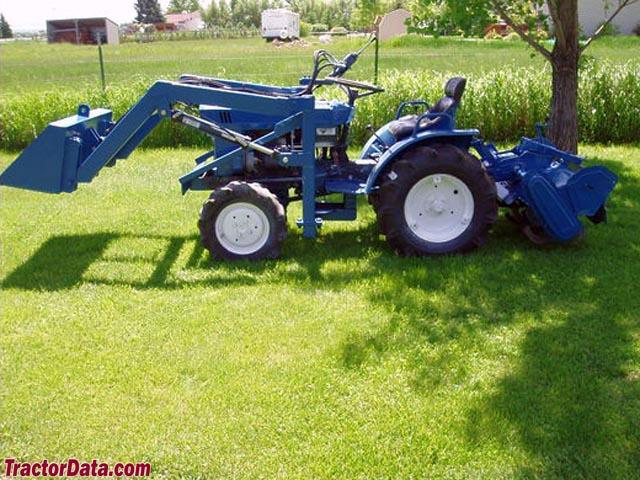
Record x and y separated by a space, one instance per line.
503 104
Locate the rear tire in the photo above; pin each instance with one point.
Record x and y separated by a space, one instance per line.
242 221
436 200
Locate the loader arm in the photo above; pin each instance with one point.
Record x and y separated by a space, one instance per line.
75 149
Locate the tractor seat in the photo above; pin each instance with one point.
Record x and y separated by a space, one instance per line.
453 90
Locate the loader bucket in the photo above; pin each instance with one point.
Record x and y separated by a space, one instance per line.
50 163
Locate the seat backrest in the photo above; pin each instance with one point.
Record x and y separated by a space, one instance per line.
453 90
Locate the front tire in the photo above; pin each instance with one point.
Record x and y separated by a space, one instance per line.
242 221
436 200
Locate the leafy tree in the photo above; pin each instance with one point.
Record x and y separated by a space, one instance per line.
366 11
333 13
234 10
179 6
342 12
5 28
247 13
451 17
148 11
211 15
564 55
225 12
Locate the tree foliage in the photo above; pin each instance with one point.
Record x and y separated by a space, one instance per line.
148 11
236 13
525 18
366 11
350 14
180 6
247 13
5 28
333 13
471 17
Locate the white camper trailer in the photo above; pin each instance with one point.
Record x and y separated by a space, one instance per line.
280 23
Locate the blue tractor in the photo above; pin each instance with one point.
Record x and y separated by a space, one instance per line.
274 145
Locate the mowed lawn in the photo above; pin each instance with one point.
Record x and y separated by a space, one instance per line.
122 341
38 66
28 66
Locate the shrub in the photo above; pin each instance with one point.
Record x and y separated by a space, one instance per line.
305 29
319 27
493 35
24 116
512 37
503 104
210 33
609 103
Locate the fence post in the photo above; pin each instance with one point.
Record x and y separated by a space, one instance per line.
375 63
376 31
104 85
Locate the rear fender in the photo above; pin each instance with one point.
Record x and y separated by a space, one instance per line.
460 138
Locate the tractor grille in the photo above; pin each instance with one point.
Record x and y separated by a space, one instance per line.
225 116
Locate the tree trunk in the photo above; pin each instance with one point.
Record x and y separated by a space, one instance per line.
563 120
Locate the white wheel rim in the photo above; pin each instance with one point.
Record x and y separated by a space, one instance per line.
242 228
439 208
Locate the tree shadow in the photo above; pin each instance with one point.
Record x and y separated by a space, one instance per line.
570 394
570 398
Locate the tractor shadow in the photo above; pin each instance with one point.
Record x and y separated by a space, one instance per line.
173 262
138 261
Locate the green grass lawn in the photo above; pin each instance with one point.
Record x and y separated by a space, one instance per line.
41 66
122 341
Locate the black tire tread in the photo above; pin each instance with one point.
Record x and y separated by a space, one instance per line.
239 191
414 165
